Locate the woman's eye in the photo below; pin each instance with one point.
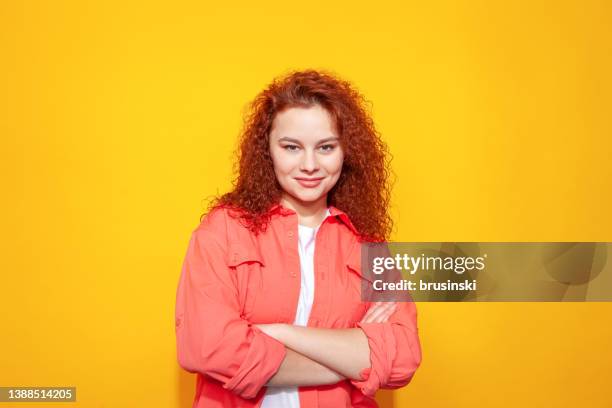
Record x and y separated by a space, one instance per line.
291 148
328 147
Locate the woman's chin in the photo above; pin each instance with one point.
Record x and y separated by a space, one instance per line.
308 198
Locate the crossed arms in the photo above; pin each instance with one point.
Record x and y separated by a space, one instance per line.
213 339
317 356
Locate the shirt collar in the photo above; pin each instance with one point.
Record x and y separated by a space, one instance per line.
333 212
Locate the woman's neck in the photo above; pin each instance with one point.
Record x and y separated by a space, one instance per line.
310 214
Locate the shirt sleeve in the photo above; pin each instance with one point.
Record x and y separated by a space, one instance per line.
212 338
395 351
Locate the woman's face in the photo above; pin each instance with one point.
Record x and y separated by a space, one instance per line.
306 152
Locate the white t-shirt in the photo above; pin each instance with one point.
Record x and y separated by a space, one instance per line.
281 397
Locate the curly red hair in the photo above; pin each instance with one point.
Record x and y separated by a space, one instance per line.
363 189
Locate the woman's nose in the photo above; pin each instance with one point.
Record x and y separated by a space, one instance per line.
309 162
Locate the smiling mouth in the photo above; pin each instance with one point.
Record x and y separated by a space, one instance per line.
309 182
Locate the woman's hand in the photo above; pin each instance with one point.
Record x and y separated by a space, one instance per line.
379 312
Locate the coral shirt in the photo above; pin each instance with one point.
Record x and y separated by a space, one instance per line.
232 279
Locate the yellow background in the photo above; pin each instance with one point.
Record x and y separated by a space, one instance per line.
119 118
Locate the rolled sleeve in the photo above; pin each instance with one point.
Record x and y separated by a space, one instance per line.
212 338
395 351
262 361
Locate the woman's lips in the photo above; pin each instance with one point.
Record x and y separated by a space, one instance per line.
309 183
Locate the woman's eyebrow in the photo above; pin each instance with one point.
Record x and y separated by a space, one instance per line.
289 139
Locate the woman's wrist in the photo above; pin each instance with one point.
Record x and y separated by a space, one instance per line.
277 331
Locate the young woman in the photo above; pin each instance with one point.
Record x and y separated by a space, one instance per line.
269 307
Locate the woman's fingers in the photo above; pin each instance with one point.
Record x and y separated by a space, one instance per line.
386 313
379 313
369 312
375 308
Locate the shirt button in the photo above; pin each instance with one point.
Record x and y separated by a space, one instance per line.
293 274
290 234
